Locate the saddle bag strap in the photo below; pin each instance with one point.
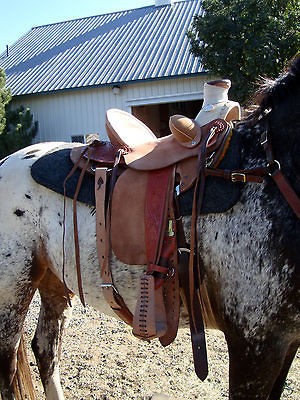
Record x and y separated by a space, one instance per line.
150 319
110 293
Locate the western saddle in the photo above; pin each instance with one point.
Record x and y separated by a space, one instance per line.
137 180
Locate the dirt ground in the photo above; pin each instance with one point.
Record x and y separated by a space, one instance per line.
102 360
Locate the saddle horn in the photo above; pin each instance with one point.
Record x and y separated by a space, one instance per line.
186 131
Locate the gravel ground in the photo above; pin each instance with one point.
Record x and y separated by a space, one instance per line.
102 360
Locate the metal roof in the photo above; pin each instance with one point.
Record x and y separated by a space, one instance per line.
115 48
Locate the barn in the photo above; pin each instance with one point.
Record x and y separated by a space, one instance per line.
69 73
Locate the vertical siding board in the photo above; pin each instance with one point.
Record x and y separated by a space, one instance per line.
63 114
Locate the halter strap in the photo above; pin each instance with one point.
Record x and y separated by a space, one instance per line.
274 170
258 174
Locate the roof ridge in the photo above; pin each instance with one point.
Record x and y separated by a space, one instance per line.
95 16
108 13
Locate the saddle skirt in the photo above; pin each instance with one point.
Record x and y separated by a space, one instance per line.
128 220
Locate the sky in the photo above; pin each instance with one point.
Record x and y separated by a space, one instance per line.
18 17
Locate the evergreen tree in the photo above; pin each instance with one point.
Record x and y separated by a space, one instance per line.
246 39
19 130
5 98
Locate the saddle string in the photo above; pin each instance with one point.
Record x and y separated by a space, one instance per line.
77 252
75 226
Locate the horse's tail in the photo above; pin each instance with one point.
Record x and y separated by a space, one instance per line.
22 384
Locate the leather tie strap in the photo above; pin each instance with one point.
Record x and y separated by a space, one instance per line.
75 225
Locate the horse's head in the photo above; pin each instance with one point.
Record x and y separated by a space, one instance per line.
278 114
279 105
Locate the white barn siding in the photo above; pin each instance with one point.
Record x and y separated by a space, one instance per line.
78 112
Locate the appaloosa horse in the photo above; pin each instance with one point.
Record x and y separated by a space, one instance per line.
250 256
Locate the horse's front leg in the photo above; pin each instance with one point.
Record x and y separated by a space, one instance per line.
254 367
280 381
46 344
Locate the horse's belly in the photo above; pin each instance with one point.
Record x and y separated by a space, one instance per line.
238 260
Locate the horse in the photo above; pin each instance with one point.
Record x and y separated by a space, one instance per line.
249 254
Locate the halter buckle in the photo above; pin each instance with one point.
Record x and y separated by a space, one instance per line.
273 166
238 177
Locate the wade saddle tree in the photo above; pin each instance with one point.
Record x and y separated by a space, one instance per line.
138 219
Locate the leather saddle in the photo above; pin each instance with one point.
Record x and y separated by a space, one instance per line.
143 151
141 224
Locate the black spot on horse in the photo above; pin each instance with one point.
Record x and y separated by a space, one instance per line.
3 161
30 154
28 196
19 213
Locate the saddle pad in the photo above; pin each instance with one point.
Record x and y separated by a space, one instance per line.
51 171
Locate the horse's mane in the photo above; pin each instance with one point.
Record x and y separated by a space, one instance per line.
272 92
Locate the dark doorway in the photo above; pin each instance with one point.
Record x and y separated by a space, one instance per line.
156 116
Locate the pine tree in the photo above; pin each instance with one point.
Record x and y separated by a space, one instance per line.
244 40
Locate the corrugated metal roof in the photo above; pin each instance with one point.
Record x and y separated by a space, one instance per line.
139 44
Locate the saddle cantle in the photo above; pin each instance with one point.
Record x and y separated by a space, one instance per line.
126 131
141 223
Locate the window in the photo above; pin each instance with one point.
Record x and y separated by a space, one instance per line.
77 138
87 138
